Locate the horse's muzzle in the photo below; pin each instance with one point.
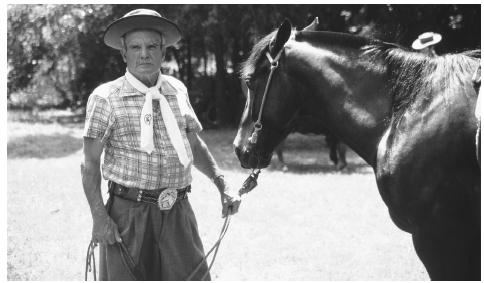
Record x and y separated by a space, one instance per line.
252 160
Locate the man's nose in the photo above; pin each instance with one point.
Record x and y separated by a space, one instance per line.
144 52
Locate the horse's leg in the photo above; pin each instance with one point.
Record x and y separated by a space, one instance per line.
332 144
341 148
449 251
280 157
337 152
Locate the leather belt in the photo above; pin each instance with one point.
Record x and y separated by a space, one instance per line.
164 198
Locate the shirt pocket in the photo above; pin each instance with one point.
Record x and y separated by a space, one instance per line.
127 130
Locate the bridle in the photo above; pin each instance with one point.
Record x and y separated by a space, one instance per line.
258 124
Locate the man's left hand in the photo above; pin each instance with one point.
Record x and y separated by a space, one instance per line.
230 203
230 199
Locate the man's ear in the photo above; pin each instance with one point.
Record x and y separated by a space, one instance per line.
123 54
163 52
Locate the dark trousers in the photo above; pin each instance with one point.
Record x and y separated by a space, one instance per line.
163 245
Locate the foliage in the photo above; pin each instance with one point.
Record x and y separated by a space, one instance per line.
47 49
56 55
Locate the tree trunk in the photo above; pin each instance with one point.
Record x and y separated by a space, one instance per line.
177 59
188 68
205 59
236 58
221 98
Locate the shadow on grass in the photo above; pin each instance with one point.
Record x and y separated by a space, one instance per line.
63 117
351 168
43 146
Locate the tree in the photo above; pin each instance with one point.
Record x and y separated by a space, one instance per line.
57 51
46 52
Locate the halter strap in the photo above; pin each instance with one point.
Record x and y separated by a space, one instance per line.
274 64
274 61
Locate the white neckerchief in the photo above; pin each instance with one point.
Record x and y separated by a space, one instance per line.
146 119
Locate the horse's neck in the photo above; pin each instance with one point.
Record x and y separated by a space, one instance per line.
351 98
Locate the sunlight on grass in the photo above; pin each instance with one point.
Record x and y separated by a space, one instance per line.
309 223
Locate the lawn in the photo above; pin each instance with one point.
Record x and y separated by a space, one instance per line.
309 223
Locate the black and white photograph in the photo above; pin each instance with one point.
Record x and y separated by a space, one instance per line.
243 142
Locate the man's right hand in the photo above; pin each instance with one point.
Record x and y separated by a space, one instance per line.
105 231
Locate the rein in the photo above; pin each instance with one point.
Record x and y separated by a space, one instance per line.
258 124
249 184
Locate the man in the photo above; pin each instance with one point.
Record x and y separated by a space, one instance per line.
425 43
149 133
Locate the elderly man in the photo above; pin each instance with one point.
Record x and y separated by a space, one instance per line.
149 133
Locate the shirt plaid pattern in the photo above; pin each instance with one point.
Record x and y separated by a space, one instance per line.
113 116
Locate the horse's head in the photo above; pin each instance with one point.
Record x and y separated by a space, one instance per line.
271 101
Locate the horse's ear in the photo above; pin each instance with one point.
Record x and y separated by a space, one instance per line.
312 26
282 36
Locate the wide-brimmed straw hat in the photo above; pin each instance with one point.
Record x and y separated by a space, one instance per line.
426 39
141 19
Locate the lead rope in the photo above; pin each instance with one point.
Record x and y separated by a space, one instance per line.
249 184
215 247
90 256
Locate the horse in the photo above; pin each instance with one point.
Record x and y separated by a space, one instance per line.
307 126
409 116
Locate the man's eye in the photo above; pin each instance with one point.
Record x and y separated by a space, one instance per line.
135 47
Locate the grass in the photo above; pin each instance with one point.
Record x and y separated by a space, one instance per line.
309 223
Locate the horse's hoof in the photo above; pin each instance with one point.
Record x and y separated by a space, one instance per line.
341 165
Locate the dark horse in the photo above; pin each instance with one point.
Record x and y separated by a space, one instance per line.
310 125
307 125
409 116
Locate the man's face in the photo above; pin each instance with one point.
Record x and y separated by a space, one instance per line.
143 52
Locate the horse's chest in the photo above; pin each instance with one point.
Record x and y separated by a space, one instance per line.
406 180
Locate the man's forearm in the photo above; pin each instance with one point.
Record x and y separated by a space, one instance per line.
204 161
91 181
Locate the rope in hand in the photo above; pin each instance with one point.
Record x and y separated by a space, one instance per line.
249 184
215 247
90 256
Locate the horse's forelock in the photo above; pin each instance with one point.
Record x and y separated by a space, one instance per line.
248 66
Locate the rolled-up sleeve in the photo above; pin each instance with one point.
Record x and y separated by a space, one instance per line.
99 118
193 124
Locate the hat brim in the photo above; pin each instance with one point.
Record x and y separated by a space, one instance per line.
418 45
170 31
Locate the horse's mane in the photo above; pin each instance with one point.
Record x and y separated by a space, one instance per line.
248 66
413 74
410 73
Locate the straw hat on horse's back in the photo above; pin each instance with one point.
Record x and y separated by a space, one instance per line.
141 19
426 39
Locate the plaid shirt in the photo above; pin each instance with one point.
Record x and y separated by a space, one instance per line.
113 116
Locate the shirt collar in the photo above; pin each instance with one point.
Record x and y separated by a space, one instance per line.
130 90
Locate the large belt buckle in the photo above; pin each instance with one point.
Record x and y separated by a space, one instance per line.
167 199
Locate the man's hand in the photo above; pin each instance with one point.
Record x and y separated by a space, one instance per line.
105 231
230 198
204 161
